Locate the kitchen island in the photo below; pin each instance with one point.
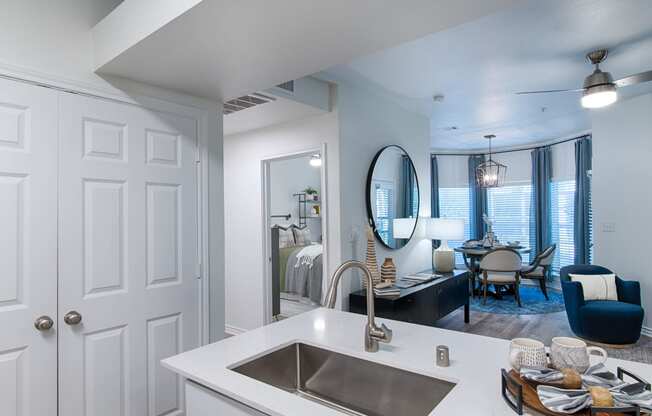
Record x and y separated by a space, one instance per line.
213 388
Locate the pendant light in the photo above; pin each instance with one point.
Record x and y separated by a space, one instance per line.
490 174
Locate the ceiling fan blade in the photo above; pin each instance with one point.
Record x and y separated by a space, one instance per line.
634 79
548 91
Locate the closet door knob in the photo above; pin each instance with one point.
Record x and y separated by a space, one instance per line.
43 323
72 318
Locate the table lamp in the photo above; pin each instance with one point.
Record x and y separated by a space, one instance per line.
444 229
404 228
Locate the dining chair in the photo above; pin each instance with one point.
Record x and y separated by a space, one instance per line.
501 267
539 268
471 266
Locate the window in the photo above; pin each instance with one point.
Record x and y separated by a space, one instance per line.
509 209
562 195
454 203
384 202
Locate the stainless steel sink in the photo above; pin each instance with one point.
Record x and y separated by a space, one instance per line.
348 384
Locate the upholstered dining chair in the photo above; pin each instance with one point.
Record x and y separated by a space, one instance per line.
501 267
471 266
539 268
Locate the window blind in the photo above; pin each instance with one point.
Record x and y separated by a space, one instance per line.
509 209
563 211
384 201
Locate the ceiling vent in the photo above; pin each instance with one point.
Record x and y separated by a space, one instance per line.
287 86
246 101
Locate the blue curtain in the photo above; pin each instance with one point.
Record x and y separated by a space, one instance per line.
477 199
583 164
541 227
434 192
408 188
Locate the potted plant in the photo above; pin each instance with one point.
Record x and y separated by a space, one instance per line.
311 194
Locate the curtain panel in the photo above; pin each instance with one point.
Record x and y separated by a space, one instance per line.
541 224
409 204
434 192
477 199
583 165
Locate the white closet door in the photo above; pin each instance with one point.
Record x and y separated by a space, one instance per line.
28 249
127 256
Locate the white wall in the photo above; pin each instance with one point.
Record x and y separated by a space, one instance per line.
243 155
288 177
622 151
367 123
52 37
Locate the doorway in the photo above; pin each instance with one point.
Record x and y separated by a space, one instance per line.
294 202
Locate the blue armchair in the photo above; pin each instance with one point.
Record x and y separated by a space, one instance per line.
605 321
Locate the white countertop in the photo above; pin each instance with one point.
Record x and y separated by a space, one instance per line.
475 362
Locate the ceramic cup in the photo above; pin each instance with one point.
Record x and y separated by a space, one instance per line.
573 353
527 352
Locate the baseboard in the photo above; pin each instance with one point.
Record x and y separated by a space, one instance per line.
233 330
646 331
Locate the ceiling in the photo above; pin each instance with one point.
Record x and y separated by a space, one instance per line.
221 49
479 65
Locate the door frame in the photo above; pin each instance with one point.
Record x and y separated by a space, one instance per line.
266 223
207 116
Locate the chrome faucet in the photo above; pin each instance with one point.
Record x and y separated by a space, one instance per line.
372 334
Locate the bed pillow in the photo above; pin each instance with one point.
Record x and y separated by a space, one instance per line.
302 236
597 286
285 238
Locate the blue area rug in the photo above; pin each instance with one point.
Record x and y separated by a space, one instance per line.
532 300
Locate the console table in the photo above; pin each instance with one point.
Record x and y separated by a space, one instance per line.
422 304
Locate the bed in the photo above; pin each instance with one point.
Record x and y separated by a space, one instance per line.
296 265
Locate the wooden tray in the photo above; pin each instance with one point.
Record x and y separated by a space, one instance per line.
525 394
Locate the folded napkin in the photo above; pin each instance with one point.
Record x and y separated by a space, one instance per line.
571 401
563 401
541 374
596 375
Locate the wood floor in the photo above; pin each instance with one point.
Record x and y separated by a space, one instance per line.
542 327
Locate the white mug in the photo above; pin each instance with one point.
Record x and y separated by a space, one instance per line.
573 353
527 352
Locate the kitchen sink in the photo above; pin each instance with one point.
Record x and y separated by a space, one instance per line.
351 385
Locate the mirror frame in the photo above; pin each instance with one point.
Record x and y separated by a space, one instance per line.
370 214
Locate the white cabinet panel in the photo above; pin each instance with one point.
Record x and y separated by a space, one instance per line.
165 392
106 389
205 402
163 232
104 245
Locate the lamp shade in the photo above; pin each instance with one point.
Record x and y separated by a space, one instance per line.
404 227
444 229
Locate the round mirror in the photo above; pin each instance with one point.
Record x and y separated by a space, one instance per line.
393 196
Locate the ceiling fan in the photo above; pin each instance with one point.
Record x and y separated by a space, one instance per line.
600 88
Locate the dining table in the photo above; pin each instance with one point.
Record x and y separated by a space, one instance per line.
472 255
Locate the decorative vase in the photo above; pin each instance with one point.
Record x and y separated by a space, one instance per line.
370 259
388 270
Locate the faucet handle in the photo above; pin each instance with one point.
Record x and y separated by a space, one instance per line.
382 334
387 333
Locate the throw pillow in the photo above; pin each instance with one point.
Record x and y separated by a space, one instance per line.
597 286
302 236
285 238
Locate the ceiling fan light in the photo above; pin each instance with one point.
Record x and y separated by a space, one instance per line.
599 96
315 161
